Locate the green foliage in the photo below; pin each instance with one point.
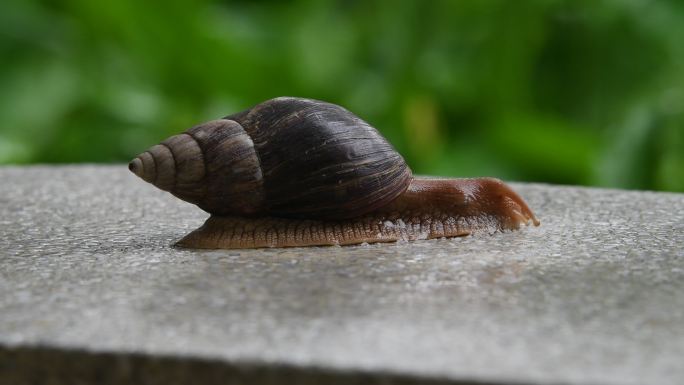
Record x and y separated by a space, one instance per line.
578 92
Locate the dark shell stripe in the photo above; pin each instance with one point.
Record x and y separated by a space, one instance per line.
377 192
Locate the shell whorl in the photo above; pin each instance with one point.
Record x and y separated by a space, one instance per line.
176 164
212 165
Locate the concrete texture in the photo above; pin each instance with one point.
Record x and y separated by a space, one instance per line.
91 291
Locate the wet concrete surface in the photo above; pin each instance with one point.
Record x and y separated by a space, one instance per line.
88 278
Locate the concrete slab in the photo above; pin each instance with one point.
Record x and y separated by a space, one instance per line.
90 289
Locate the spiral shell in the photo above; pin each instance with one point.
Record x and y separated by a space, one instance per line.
286 157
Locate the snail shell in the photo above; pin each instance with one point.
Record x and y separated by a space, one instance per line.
285 157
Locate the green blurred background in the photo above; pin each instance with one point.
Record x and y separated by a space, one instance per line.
574 92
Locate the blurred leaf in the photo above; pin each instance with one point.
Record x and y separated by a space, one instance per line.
562 91
547 149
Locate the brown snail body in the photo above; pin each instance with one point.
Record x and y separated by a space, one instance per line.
301 172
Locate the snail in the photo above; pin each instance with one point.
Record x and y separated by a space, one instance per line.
302 172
